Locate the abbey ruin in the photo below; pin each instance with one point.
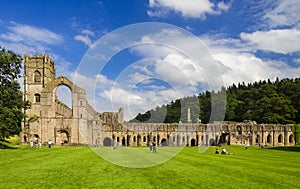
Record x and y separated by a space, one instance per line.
82 125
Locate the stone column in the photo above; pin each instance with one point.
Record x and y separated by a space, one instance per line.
189 120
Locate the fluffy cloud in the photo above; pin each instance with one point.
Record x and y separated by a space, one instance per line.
187 8
178 69
286 13
242 65
29 39
30 34
280 41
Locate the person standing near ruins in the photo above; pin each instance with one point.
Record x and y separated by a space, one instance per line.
49 143
154 147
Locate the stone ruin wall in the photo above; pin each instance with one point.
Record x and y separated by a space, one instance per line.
187 134
82 125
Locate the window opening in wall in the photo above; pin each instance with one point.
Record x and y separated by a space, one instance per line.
280 138
37 97
37 76
64 95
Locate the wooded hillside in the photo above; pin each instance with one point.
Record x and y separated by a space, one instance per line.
263 102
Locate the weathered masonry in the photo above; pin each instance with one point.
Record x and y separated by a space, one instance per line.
82 125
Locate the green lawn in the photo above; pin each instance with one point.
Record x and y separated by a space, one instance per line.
81 167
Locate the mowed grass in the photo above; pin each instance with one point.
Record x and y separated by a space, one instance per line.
80 167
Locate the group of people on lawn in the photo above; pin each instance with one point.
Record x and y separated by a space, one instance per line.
39 144
222 152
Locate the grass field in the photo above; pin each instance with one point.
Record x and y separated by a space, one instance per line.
81 167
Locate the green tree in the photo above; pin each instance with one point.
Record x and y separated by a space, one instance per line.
274 109
296 131
11 102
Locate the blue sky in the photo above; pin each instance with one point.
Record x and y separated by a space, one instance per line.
247 41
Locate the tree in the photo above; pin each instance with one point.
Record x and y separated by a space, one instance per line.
11 102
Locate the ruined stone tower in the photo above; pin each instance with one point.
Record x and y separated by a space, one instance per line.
38 71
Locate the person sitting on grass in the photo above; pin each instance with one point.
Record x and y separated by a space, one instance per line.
217 151
224 151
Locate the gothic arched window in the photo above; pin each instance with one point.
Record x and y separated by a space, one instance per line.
37 77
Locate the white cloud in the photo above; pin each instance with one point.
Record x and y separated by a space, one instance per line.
178 69
23 38
187 8
85 37
88 32
241 65
139 78
286 13
280 41
30 34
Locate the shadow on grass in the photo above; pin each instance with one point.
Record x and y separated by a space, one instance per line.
286 148
6 145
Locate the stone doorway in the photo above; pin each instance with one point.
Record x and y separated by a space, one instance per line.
193 142
164 142
63 136
123 141
107 141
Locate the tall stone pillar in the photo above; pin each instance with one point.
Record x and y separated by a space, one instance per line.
189 120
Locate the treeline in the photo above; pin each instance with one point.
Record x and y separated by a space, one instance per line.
263 102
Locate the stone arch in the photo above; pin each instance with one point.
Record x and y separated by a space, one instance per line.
64 95
37 77
269 139
163 142
61 81
54 84
123 141
291 138
36 136
239 129
107 141
257 139
193 142
280 138
63 136
211 141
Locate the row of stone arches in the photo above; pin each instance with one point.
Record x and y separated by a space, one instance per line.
139 140
280 139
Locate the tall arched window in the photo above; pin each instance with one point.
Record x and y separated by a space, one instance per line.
239 130
257 140
280 138
269 138
37 76
37 97
291 138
